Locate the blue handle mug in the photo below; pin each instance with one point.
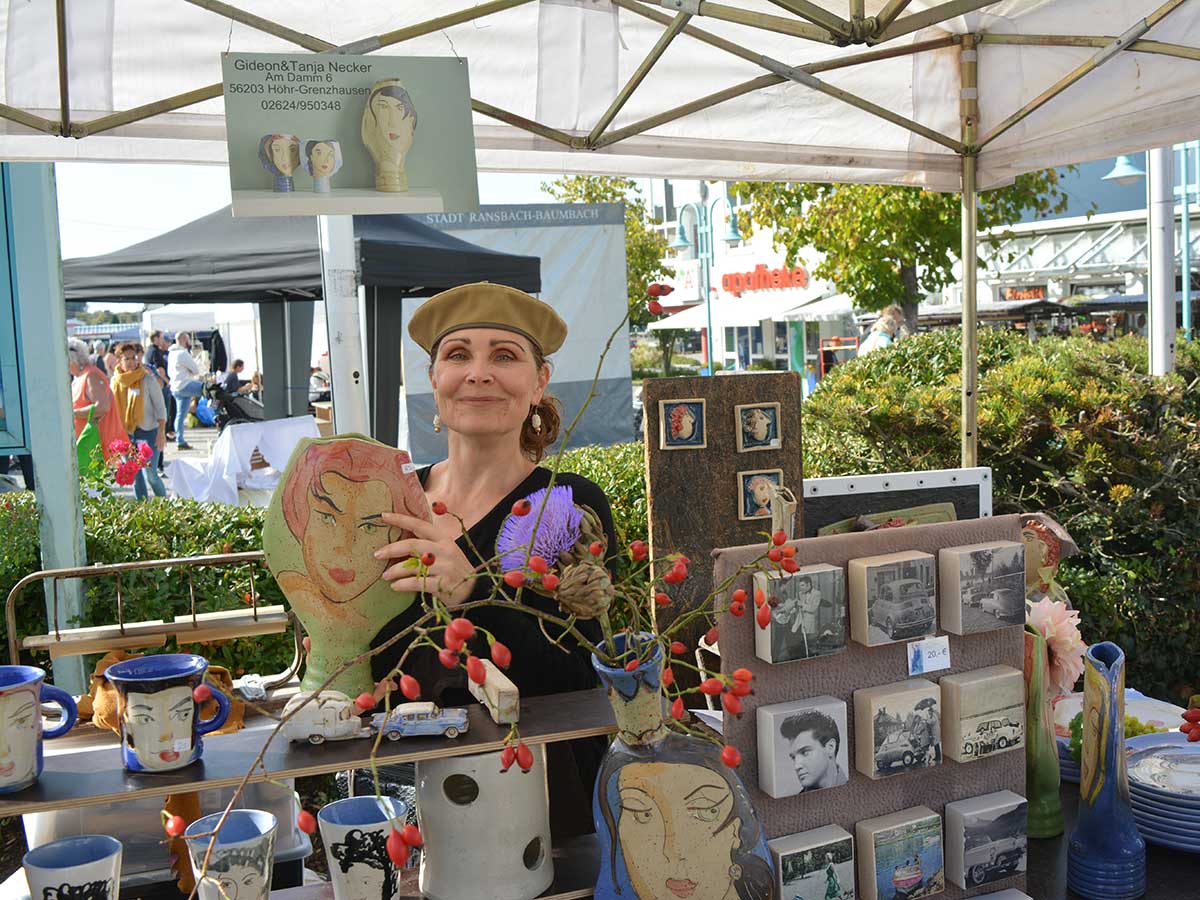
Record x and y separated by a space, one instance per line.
22 693
160 720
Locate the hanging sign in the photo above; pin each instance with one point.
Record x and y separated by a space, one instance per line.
762 278
323 134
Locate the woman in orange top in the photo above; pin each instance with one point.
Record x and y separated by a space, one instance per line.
90 393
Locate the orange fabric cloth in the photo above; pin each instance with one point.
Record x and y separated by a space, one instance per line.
109 424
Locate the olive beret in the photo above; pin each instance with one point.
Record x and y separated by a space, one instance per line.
487 305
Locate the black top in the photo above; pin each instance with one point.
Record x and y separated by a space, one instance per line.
156 358
537 667
231 382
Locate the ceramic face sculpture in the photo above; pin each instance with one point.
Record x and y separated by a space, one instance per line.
389 124
239 867
160 723
321 159
280 155
320 536
1043 551
21 695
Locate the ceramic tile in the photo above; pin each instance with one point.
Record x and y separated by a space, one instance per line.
802 746
897 728
982 586
985 839
983 712
810 618
815 865
900 855
892 597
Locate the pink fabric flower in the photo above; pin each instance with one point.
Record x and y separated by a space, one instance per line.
1060 627
120 445
144 451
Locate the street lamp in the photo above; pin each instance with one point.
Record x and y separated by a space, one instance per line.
1124 172
704 212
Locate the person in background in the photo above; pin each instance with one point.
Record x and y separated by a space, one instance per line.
139 403
156 359
883 333
232 382
183 373
318 385
90 395
97 356
25 461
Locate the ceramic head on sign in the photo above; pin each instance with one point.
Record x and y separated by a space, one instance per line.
320 536
280 156
321 158
389 127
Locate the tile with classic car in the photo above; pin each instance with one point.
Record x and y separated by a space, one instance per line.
983 712
897 728
985 839
982 586
892 597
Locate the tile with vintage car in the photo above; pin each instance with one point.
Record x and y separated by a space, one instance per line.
985 839
897 728
892 597
982 586
983 712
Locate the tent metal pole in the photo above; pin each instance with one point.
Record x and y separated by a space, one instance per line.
858 10
64 79
639 74
339 285
1160 48
1099 59
1185 240
700 34
28 119
511 118
307 41
1160 175
889 13
125 117
446 21
935 15
817 15
765 21
969 114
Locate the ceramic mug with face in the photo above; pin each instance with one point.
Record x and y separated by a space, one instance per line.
355 833
239 866
22 693
161 726
87 867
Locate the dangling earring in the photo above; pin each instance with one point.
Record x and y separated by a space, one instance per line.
735 872
437 422
535 421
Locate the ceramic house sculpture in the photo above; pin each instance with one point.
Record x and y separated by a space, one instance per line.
320 536
389 127
982 586
900 855
983 712
802 746
498 695
985 839
897 728
892 597
321 158
815 865
810 618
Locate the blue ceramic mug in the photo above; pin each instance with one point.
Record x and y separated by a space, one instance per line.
22 693
87 867
161 726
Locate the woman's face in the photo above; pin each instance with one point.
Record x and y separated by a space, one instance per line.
129 361
757 424
239 883
1035 556
323 159
158 726
20 713
285 154
762 492
673 831
343 533
485 380
394 122
687 424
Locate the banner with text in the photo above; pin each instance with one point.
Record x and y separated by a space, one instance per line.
322 134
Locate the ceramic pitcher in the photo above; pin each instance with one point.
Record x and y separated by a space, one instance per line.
1106 856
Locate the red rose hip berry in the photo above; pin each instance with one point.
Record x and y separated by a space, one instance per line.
365 702
397 850
514 579
731 756
202 693
501 655
476 671
522 507
410 687
306 822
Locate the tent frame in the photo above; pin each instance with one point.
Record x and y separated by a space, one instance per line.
805 20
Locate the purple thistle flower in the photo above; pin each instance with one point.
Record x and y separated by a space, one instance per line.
558 530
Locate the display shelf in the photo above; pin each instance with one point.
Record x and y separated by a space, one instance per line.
576 865
92 775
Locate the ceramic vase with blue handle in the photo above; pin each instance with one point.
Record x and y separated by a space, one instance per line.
672 818
160 719
1106 856
22 693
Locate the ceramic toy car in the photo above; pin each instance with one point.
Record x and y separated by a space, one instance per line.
412 719
903 607
329 716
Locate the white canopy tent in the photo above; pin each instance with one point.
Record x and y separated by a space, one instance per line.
946 95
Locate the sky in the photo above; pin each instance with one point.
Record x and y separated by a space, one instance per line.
106 206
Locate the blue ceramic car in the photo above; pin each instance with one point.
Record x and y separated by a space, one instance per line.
412 719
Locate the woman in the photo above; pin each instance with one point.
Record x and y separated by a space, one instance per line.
90 395
488 346
139 402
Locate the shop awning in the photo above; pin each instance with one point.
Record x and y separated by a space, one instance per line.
740 312
827 309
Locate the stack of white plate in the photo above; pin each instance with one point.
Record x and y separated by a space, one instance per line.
1164 789
1145 709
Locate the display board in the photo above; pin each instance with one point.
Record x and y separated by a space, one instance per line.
860 667
702 490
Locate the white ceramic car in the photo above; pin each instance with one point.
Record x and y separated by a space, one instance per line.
329 716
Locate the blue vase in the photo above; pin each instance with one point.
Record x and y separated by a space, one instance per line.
1106 857
672 818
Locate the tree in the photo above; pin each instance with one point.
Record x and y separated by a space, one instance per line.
884 244
644 248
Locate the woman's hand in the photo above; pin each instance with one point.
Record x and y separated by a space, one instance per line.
451 577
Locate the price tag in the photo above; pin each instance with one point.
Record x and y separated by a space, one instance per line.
929 655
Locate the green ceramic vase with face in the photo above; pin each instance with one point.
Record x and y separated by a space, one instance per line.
1042 775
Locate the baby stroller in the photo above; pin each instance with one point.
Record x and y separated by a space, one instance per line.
232 408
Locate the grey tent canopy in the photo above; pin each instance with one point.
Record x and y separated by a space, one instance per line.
262 260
